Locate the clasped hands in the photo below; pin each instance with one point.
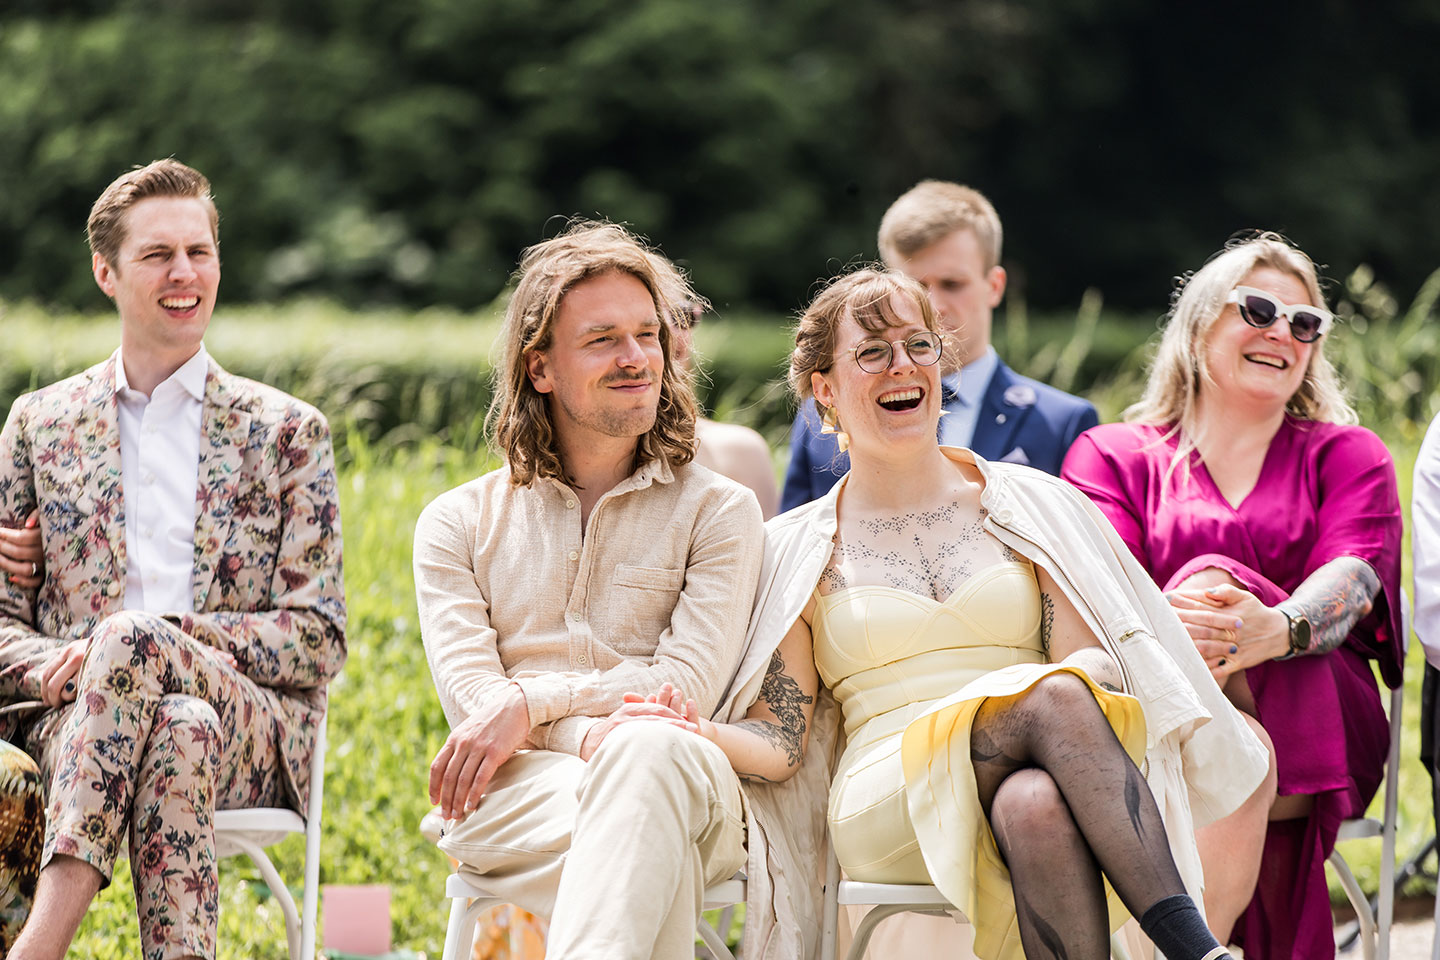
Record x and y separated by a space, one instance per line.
667 705
1231 628
477 747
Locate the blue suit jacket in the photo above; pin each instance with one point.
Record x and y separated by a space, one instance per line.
1021 421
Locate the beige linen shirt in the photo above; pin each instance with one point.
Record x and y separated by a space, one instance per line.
656 588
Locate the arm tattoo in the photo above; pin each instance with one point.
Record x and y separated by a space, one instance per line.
1335 598
1047 622
787 701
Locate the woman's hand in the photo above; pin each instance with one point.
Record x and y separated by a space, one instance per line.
686 709
1230 627
667 705
22 556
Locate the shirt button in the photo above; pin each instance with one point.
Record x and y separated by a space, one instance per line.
113 590
999 418
574 554
581 660
149 478
148 532
574 618
569 504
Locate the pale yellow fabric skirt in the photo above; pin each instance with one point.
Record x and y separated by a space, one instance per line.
906 808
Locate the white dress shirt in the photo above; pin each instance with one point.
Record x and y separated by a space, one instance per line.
160 467
1425 543
957 427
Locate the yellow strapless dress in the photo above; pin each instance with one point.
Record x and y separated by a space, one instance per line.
909 674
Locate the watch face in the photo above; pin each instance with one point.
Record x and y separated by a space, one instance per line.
1300 634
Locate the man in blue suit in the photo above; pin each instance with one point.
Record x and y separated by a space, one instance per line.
948 237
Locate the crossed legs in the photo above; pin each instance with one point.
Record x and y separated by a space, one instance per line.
162 733
1065 802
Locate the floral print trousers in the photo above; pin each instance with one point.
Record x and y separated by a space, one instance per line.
163 732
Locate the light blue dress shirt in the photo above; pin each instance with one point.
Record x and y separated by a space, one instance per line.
964 391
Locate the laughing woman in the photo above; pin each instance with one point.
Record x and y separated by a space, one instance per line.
1242 485
993 651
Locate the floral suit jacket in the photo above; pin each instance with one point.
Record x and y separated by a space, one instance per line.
267 577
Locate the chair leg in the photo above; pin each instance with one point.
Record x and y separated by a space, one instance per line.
866 928
714 940
455 946
1359 902
277 887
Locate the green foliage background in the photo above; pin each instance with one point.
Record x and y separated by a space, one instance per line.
405 152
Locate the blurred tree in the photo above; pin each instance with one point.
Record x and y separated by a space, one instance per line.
406 152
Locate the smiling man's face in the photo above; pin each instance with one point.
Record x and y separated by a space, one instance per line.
603 367
166 274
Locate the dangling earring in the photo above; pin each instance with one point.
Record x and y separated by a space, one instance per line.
830 423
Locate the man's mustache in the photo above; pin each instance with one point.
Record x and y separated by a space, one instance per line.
628 380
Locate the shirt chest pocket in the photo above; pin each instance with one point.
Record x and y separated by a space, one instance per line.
644 601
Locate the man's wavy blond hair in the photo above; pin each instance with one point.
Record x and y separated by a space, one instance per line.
1179 366
518 422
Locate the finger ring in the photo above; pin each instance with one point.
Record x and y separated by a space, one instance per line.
70 686
1221 663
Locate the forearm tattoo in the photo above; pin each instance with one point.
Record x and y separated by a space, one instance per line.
787 701
1047 622
1333 599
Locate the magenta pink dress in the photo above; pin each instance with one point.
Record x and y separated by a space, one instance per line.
1324 491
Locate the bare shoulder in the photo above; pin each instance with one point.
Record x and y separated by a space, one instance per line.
742 455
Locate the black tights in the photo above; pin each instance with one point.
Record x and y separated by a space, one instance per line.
1051 775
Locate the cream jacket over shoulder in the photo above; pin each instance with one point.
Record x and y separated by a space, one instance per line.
1202 761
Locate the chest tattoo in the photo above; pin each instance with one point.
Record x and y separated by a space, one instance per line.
929 553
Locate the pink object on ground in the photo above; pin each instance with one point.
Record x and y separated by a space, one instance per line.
357 919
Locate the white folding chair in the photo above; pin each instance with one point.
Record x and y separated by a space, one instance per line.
250 830
886 900
467 902
1375 930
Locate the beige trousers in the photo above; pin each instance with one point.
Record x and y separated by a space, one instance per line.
617 851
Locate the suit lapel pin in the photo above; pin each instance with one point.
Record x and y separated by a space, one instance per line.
1020 395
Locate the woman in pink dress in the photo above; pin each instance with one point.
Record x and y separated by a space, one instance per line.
1273 524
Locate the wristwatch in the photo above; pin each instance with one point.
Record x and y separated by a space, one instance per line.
1299 634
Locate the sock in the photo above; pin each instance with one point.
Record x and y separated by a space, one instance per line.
1179 931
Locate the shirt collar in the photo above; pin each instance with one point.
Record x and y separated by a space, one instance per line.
975 377
653 471
191 375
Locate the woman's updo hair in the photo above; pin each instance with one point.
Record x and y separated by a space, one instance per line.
863 294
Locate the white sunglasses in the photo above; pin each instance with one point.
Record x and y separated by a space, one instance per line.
1260 309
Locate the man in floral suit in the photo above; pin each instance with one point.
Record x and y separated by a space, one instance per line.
192 609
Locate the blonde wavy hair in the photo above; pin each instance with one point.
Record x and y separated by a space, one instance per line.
518 421
1179 366
863 294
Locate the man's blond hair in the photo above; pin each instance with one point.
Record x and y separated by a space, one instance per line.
519 421
164 178
932 210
